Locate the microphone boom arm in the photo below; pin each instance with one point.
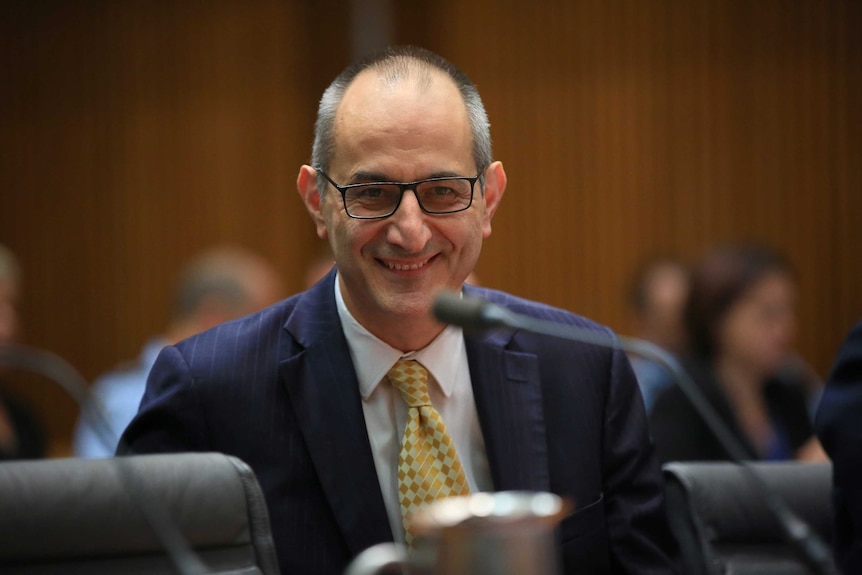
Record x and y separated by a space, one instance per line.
475 314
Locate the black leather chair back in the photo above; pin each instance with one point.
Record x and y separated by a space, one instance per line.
78 516
723 524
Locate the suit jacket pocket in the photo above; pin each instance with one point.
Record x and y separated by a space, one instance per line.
584 539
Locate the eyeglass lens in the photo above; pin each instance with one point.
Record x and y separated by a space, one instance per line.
438 196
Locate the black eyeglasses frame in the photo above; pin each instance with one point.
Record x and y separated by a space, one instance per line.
403 187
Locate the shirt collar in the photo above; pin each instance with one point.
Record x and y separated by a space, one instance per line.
373 358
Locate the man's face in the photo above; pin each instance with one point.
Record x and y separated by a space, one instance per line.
391 269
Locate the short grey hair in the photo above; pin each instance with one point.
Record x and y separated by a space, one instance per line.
396 63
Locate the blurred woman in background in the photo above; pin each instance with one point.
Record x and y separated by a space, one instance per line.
741 319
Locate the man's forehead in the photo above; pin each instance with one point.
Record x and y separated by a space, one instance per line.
379 113
383 82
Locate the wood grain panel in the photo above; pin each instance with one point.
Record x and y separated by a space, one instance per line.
634 128
133 134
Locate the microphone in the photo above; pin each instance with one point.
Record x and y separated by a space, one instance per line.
471 313
60 372
476 315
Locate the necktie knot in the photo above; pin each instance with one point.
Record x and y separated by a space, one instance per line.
411 379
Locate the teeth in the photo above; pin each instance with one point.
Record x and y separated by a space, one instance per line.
407 266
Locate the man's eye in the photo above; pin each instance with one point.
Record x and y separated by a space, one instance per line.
442 191
369 193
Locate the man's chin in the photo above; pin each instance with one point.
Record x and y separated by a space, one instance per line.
407 305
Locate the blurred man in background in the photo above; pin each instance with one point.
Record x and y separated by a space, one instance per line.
219 285
21 435
658 296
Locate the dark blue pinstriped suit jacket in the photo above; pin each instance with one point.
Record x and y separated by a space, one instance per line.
278 390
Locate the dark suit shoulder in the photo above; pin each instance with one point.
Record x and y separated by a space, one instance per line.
538 310
847 369
240 339
837 412
839 428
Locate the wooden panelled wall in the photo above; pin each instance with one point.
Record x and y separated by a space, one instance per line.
133 134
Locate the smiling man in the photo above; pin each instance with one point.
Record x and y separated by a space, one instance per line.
335 394
404 124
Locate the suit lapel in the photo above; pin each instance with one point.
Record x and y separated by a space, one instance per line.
321 382
324 392
509 403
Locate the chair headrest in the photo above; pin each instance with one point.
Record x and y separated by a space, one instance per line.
728 507
79 507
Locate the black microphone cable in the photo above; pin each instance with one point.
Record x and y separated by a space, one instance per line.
60 372
475 314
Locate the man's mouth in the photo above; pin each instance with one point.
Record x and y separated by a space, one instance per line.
405 267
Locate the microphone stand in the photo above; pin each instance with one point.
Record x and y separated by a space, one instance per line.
67 377
808 545
477 314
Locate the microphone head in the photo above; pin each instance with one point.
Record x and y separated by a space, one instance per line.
470 313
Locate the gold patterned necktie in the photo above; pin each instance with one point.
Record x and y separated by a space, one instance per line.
428 465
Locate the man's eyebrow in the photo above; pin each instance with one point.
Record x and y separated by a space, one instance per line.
369 177
446 174
378 177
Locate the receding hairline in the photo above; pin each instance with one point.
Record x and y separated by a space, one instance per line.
395 64
398 74
405 67
419 76
398 62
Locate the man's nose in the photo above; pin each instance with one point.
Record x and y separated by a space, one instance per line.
408 227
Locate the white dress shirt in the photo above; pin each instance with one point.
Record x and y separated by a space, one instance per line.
451 393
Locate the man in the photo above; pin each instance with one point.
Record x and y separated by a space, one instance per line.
305 392
839 427
218 285
658 297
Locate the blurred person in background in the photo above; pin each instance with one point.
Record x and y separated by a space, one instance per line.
21 435
741 320
219 285
657 298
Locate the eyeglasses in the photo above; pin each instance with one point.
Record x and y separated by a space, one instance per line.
375 200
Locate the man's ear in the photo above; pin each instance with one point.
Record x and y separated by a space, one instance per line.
306 185
495 185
